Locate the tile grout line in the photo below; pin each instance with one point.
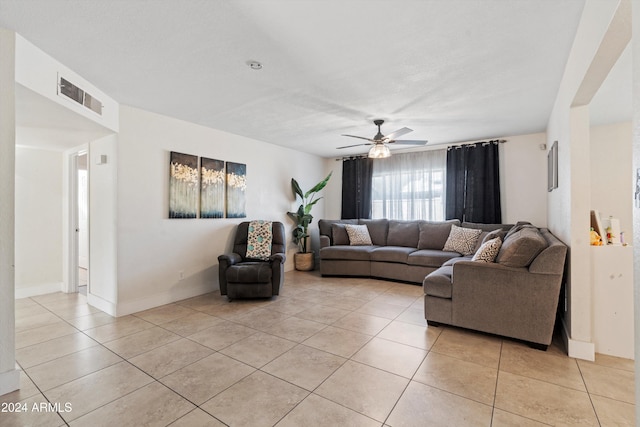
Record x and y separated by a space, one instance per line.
495 391
584 381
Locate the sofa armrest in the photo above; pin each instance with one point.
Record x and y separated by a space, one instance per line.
507 301
278 258
324 241
226 261
277 272
230 259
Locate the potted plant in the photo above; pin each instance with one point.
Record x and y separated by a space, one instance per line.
303 260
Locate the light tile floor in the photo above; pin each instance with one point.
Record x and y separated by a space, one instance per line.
326 352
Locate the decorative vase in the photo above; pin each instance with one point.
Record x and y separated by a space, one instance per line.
303 261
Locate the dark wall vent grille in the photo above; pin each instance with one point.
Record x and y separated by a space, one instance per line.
73 92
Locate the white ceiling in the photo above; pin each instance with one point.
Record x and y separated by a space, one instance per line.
452 70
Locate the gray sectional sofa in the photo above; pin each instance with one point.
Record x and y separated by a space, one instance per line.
401 250
516 296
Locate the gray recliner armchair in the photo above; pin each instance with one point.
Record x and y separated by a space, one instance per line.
242 277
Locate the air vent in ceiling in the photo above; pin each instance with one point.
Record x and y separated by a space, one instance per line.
73 92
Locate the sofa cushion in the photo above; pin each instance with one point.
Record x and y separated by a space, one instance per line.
438 283
391 254
357 253
495 233
358 235
378 229
339 234
486 227
488 251
462 240
403 233
519 226
433 235
458 259
430 257
520 248
483 235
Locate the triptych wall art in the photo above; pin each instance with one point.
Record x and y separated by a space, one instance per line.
218 188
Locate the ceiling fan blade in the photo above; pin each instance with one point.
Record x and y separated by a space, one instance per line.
359 137
355 145
409 142
397 133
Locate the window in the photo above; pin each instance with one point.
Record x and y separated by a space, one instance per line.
410 186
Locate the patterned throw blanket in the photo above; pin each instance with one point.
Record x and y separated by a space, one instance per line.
259 240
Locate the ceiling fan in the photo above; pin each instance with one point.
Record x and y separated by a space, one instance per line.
379 141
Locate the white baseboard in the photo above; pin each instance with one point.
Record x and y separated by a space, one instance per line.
41 289
9 381
578 349
102 304
157 299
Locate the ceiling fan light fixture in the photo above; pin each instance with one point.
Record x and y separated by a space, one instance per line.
379 151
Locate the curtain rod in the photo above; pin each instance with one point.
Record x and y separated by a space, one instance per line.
354 157
474 144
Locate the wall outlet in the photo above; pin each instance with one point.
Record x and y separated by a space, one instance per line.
181 274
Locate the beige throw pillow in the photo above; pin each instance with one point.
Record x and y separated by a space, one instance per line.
462 240
488 251
358 235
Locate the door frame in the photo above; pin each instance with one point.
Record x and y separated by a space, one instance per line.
71 221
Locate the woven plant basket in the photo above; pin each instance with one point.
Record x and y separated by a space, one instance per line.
303 261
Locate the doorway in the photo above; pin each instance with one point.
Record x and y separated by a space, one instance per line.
82 182
79 222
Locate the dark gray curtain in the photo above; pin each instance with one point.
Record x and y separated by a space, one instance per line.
357 176
473 183
456 183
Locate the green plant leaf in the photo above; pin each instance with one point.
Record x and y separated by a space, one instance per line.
302 217
296 188
307 208
319 186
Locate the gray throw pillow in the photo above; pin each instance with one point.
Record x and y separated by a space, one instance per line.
495 233
519 226
339 234
521 248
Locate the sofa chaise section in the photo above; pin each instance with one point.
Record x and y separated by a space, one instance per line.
517 301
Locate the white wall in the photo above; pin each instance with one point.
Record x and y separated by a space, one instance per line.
611 176
635 46
153 249
570 203
38 224
333 192
523 181
102 291
9 375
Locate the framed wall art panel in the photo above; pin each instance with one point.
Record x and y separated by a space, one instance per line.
212 177
236 190
183 185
